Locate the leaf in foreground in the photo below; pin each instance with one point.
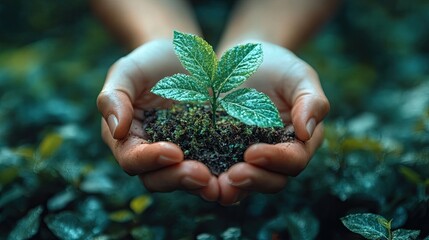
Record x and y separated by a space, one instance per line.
404 234
28 226
252 108
366 224
181 87
236 65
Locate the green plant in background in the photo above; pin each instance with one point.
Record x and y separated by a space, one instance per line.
211 77
58 182
373 226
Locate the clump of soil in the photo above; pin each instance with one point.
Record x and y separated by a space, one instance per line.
190 126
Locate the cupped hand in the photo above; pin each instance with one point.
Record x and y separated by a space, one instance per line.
295 89
122 102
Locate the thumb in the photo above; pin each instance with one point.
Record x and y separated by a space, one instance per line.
117 110
308 111
115 101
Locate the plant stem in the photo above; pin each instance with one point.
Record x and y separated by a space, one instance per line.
214 108
389 230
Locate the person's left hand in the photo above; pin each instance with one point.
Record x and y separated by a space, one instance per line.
295 89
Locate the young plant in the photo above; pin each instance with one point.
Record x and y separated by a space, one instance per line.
210 77
375 227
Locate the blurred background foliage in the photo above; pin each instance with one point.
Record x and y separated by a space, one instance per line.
59 181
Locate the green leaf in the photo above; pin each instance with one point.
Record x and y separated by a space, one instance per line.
366 224
385 223
121 216
93 215
49 145
9 196
302 226
181 87
61 199
28 226
98 182
196 55
411 175
252 108
8 175
140 203
67 225
232 233
142 232
236 65
404 234
205 236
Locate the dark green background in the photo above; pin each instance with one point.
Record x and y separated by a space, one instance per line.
373 61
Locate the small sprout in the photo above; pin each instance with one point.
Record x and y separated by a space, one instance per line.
374 227
210 77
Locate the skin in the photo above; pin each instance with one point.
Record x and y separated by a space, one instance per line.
290 82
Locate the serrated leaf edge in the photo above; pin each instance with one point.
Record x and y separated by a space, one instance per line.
272 122
157 89
224 81
193 55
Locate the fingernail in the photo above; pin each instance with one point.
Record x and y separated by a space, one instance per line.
165 161
112 121
243 183
192 183
311 124
259 161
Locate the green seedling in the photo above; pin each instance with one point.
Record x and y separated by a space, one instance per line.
210 77
375 227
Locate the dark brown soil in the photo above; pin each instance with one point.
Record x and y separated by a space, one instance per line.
219 147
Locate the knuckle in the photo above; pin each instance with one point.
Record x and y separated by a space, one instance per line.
102 99
324 104
311 71
119 63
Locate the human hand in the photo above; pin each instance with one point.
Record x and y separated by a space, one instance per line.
122 102
295 89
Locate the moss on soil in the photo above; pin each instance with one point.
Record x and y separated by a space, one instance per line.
190 127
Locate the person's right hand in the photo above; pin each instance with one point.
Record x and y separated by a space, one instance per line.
122 102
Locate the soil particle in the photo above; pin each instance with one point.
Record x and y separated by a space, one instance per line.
218 147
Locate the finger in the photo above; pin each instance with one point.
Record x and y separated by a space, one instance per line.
309 103
284 158
117 111
210 192
308 111
136 156
230 194
115 101
252 178
187 175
